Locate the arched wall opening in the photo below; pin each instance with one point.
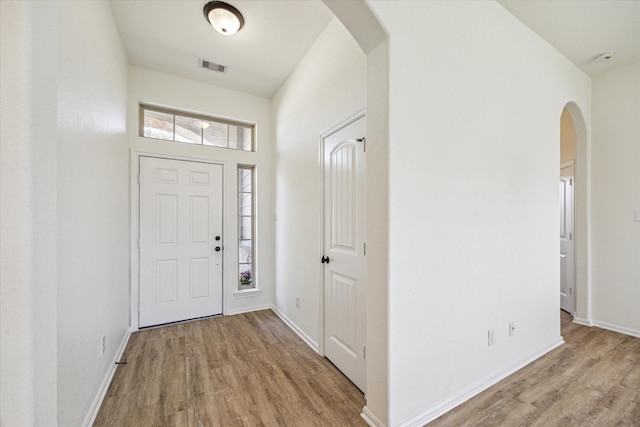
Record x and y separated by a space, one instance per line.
582 307
567 203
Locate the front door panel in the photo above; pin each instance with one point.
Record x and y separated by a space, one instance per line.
180 216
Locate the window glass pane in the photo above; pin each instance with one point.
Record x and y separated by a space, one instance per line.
245 183
245 204
245 227
188 130
245 253
216 134
158 125
245 138
240 138
233 137
246 276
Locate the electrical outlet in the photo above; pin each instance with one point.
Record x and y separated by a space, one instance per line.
491 335
103 344
297 301
512 329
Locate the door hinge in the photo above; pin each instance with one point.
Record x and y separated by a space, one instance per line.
570 236
364 351
364 248
138 243
364 143
571 181
138 178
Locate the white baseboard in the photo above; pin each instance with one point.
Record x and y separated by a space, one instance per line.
306 338
616 328
445 406
106 382
370 418
583 322
609 326
248 309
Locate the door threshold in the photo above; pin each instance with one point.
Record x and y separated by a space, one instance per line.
178 322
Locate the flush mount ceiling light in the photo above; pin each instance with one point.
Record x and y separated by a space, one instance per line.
223 17
604 57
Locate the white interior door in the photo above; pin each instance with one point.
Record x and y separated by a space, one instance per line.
180 240
566 237
344 215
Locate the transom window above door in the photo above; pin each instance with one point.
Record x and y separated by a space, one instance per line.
188 128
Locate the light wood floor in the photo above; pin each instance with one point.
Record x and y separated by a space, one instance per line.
243 370
252 370
591 381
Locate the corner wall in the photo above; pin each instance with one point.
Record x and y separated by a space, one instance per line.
474 101
616 200
327 86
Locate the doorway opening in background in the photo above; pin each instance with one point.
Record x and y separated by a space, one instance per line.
567 233
567 212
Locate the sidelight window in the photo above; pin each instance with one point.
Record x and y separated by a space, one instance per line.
246 227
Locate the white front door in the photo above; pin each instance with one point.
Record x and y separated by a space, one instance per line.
343 258
180 240
566 237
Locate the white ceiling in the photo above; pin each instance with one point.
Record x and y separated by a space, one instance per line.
171 35
583 29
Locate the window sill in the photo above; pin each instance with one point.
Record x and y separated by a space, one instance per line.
246 293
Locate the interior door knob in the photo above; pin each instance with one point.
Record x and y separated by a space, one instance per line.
325 259
218 248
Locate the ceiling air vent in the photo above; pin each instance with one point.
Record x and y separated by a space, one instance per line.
213 66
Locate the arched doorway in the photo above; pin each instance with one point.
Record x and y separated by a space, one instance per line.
573 151
567 233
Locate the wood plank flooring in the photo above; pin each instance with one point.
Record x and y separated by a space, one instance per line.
243 370
252 370
591 381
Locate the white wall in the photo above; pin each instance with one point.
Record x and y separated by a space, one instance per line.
567 138
18 112
64 208
475 101
326 87
146 86
92 203
377 271
616 199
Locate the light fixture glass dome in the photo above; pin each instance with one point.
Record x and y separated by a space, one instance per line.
223 17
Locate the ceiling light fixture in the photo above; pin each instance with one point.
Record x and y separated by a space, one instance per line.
604 57
223 17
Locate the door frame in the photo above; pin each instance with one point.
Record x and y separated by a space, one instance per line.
324 135
134 218
571 163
